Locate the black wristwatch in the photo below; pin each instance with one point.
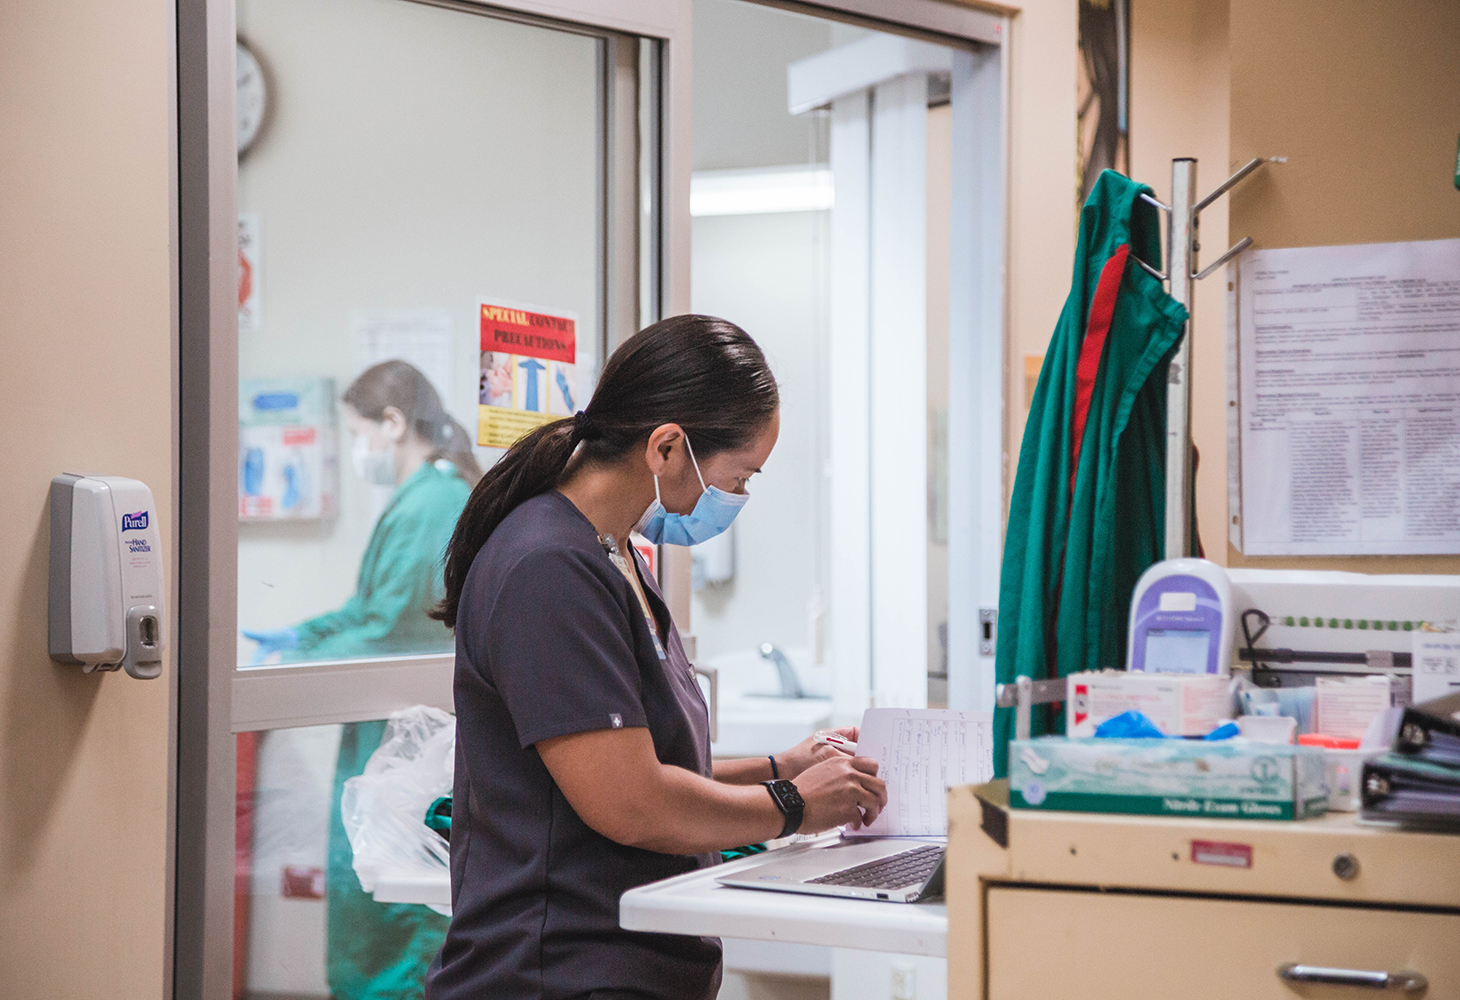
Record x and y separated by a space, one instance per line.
788 801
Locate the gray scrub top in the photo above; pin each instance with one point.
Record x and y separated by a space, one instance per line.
552 640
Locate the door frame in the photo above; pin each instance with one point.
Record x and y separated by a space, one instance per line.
202 802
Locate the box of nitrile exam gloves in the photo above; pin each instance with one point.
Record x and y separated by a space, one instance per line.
1173 777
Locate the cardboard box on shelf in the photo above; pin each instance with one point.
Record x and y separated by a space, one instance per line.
1179 704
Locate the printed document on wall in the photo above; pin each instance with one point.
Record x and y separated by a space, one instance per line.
419 337
1349 388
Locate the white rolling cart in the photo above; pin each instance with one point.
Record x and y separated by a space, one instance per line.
695 903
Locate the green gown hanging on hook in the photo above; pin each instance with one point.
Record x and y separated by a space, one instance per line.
1088 509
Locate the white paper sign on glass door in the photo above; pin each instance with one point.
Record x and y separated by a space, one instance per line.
1349 383
529 373
250 302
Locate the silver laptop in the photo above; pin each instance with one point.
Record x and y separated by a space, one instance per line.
892 869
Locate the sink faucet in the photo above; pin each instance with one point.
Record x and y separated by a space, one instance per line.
790 683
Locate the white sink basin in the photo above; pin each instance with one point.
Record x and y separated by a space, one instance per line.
751 727
754 720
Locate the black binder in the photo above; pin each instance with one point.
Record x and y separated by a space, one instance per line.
1429 732
1411 791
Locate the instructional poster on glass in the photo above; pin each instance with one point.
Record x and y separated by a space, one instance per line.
529 373
1348 392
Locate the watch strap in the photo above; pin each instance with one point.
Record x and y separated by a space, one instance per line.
788 800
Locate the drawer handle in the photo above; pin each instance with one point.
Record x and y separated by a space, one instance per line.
1408 982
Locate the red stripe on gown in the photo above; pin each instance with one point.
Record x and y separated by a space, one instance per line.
1102 309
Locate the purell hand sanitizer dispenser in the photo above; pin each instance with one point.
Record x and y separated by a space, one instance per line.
106 575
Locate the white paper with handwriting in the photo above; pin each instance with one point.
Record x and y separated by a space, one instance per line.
921 753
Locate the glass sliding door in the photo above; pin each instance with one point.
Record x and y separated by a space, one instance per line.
445 214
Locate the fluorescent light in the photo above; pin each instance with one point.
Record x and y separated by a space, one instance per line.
760 192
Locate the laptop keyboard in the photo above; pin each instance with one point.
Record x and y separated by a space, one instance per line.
908 868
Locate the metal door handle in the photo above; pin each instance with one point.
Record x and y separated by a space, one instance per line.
1407 982
713 674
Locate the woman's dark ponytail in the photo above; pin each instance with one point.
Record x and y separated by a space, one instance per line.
702 373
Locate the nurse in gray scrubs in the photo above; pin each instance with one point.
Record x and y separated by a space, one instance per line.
583 756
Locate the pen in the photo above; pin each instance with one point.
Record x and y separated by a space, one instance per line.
837 741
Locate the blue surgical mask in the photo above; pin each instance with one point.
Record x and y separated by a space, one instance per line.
713 513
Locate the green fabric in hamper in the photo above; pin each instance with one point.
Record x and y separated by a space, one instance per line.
374 951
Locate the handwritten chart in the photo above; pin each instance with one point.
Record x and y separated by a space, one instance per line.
921 753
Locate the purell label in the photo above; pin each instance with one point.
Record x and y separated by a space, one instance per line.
135 522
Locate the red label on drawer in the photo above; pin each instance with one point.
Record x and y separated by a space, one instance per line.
1214 852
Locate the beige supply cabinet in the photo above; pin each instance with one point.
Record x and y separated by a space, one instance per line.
1052 905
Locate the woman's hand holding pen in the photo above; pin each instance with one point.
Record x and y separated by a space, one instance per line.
808 752
840 791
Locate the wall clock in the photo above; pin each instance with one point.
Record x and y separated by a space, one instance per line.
253 98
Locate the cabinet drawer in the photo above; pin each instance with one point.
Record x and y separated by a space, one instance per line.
1050 944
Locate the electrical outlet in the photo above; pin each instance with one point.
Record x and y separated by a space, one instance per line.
904 982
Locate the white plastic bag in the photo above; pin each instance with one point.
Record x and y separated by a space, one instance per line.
384 809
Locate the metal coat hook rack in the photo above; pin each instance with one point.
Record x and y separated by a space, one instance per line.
1183 218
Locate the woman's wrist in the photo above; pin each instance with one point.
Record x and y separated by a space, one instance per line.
775 819
791 763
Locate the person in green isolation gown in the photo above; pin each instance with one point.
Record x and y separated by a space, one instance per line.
403 437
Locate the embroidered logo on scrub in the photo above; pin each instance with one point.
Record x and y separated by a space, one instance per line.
616 719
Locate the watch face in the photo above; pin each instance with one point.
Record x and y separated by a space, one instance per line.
252 98
789 796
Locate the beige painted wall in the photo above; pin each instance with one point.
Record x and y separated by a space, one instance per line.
1367 113
85 317
1366 109
1179 107
1043 39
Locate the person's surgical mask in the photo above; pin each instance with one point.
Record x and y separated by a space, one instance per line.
713 513
375 467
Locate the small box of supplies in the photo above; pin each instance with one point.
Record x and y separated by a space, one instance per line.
1212 779
1179 704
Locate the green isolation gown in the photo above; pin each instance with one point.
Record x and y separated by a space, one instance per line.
400 576
380 951
1087 515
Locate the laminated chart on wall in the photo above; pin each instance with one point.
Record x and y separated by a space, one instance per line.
288 465
1348 385
419 337
529 370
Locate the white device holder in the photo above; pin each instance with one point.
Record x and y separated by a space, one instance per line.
106 596
1181 619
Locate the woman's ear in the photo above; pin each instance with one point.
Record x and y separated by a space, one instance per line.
394 423
662 442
